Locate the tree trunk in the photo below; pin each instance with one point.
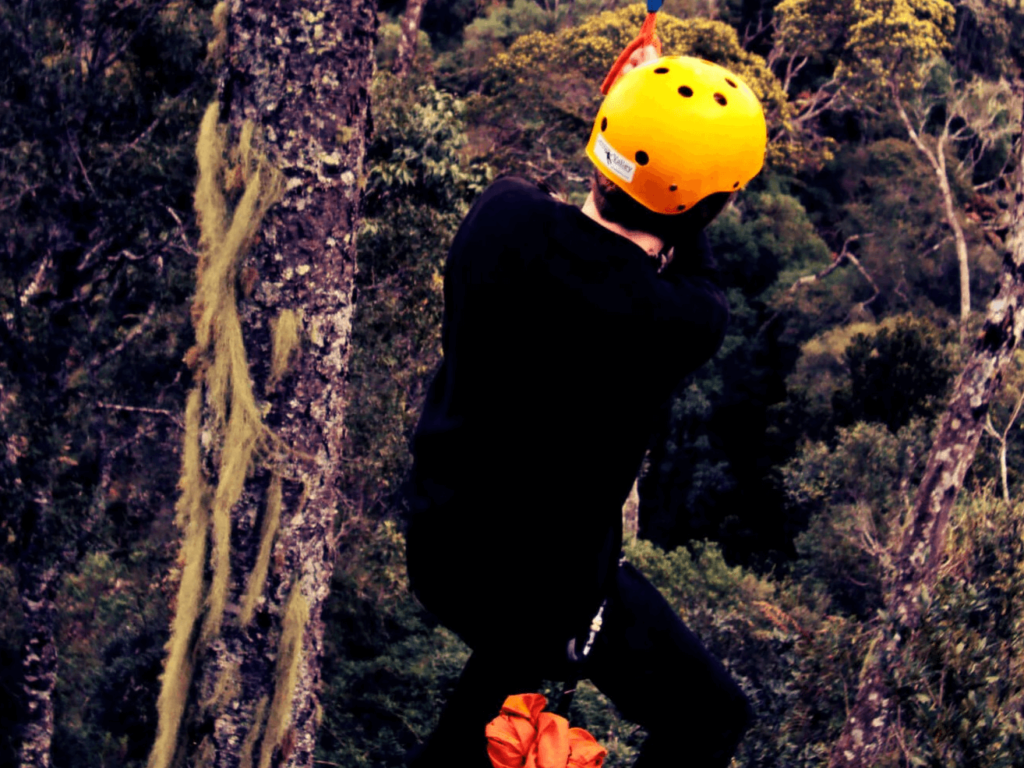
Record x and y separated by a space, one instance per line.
631 513
937 160
262 453
38 589
410 33
867 727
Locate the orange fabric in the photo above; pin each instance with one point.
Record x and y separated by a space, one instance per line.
524 736
646 37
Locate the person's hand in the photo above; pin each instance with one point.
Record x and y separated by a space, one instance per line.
638 57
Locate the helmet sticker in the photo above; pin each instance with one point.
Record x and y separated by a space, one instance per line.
613 161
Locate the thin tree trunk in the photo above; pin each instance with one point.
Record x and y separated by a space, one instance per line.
243 668
38 588
410 34
937 160
867 728
631 513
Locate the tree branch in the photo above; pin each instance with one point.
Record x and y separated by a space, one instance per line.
837 261
140 409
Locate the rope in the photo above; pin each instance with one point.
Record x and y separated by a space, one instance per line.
647 37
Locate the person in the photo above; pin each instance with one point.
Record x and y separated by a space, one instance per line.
565 333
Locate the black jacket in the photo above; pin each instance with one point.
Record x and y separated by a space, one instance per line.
561 343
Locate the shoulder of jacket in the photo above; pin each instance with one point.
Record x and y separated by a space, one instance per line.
513 190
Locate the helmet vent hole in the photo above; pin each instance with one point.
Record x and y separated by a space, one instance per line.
604 123
673 188
642 158
685 90
661 71
721 99
680 207
736 185
730 82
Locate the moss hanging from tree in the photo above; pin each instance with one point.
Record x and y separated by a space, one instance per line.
222 363
296 616
245 754
285 343
193 517
239 435
258 575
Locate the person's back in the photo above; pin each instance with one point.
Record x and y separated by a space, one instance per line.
561 342
565 333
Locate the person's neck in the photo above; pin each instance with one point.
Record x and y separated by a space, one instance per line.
652 244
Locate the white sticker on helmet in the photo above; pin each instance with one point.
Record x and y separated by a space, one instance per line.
613 161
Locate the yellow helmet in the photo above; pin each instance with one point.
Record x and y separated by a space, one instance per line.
677 129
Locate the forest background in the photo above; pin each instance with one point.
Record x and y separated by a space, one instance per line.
774 498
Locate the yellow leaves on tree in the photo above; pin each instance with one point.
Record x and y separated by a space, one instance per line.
812 28
884 42
889 39
540 97
878 42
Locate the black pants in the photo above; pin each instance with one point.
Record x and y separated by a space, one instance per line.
645 660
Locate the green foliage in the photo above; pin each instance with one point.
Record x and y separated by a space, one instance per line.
444 22
93 173
818 374
988 39
114 617
708 470
502 24
797 652
961 682
419 187
387 666
539 98
888 39
889 372
388 35
100 102
851 495
765 633
899 373
885 193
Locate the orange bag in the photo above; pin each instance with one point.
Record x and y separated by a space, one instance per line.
524 736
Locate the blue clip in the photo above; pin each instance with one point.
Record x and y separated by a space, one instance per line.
653 6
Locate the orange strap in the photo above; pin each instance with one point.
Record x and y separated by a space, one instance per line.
646 37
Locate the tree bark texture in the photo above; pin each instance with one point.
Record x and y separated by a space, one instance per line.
631 513
299 72
410 33
867 727
38 589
